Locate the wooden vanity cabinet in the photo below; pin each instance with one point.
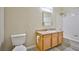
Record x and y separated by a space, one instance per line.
48 40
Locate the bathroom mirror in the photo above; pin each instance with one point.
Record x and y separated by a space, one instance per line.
47 16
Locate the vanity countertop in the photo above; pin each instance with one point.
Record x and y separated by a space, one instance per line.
47 32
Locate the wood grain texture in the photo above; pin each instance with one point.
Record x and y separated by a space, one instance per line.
54 39
48 41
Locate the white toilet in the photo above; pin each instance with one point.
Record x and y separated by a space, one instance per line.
18 40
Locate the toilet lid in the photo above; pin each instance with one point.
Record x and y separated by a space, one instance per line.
20 48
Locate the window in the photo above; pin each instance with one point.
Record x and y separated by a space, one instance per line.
47 15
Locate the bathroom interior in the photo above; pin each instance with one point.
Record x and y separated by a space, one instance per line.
39 29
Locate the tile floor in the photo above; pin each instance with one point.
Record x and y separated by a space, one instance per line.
68 45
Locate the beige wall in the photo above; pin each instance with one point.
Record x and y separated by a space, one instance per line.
1 26
23 20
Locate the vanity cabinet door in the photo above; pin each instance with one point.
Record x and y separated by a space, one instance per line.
46 42
39 42
54 39
60 38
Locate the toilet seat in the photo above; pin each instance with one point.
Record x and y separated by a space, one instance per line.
19 48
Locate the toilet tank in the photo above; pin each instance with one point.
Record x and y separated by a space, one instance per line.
18 39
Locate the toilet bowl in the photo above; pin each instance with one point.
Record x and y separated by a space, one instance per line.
18 40
20 48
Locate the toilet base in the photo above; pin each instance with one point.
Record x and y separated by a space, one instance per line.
20 48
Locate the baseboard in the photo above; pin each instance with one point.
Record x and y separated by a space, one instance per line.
31 46
71 39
